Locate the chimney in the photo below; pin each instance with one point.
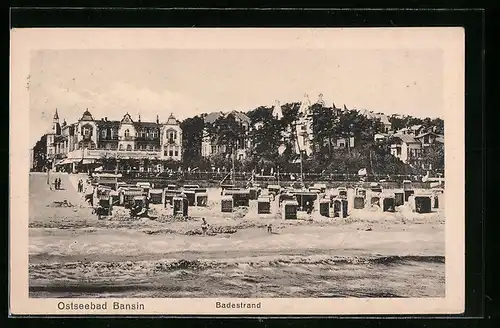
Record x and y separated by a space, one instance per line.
157 119
106 118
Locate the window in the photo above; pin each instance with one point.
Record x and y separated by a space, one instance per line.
127 133
103 134
148 147
176 153
121 147
129 147
143 133
214 149
108 146
170 153
426 139
86 131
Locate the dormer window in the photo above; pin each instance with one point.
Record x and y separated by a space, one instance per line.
127 133
103 134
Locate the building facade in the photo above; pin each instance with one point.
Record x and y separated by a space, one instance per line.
410 148
91 141
405 147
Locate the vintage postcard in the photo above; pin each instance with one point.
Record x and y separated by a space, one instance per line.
237 171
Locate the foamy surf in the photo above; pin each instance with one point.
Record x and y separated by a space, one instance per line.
303 277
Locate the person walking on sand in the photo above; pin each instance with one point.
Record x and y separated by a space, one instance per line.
270 228
204 226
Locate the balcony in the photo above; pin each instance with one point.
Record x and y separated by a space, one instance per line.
150 138
109 138
127 138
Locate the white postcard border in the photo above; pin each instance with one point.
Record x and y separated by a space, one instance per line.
450 40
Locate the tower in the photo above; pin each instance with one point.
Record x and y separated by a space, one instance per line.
56 128
304 127
320 100
277 113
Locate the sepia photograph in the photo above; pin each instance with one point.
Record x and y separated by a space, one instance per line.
241 173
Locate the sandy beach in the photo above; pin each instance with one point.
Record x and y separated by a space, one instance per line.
369 254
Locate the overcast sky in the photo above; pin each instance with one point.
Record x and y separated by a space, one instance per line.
187 82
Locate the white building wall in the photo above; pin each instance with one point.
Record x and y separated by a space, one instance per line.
171 143
123 141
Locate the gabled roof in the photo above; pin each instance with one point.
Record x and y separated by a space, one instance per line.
239 116
127 119
405 138
426 133
212 117
384 119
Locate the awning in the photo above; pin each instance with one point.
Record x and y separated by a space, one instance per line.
64 161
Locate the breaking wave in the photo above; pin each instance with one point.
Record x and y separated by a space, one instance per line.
197 265
294 276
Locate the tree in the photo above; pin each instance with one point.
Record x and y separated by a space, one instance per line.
266 135
324 128
434 155
228 133
288 125
438 124
192 137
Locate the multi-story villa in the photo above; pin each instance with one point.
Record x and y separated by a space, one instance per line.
90 141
